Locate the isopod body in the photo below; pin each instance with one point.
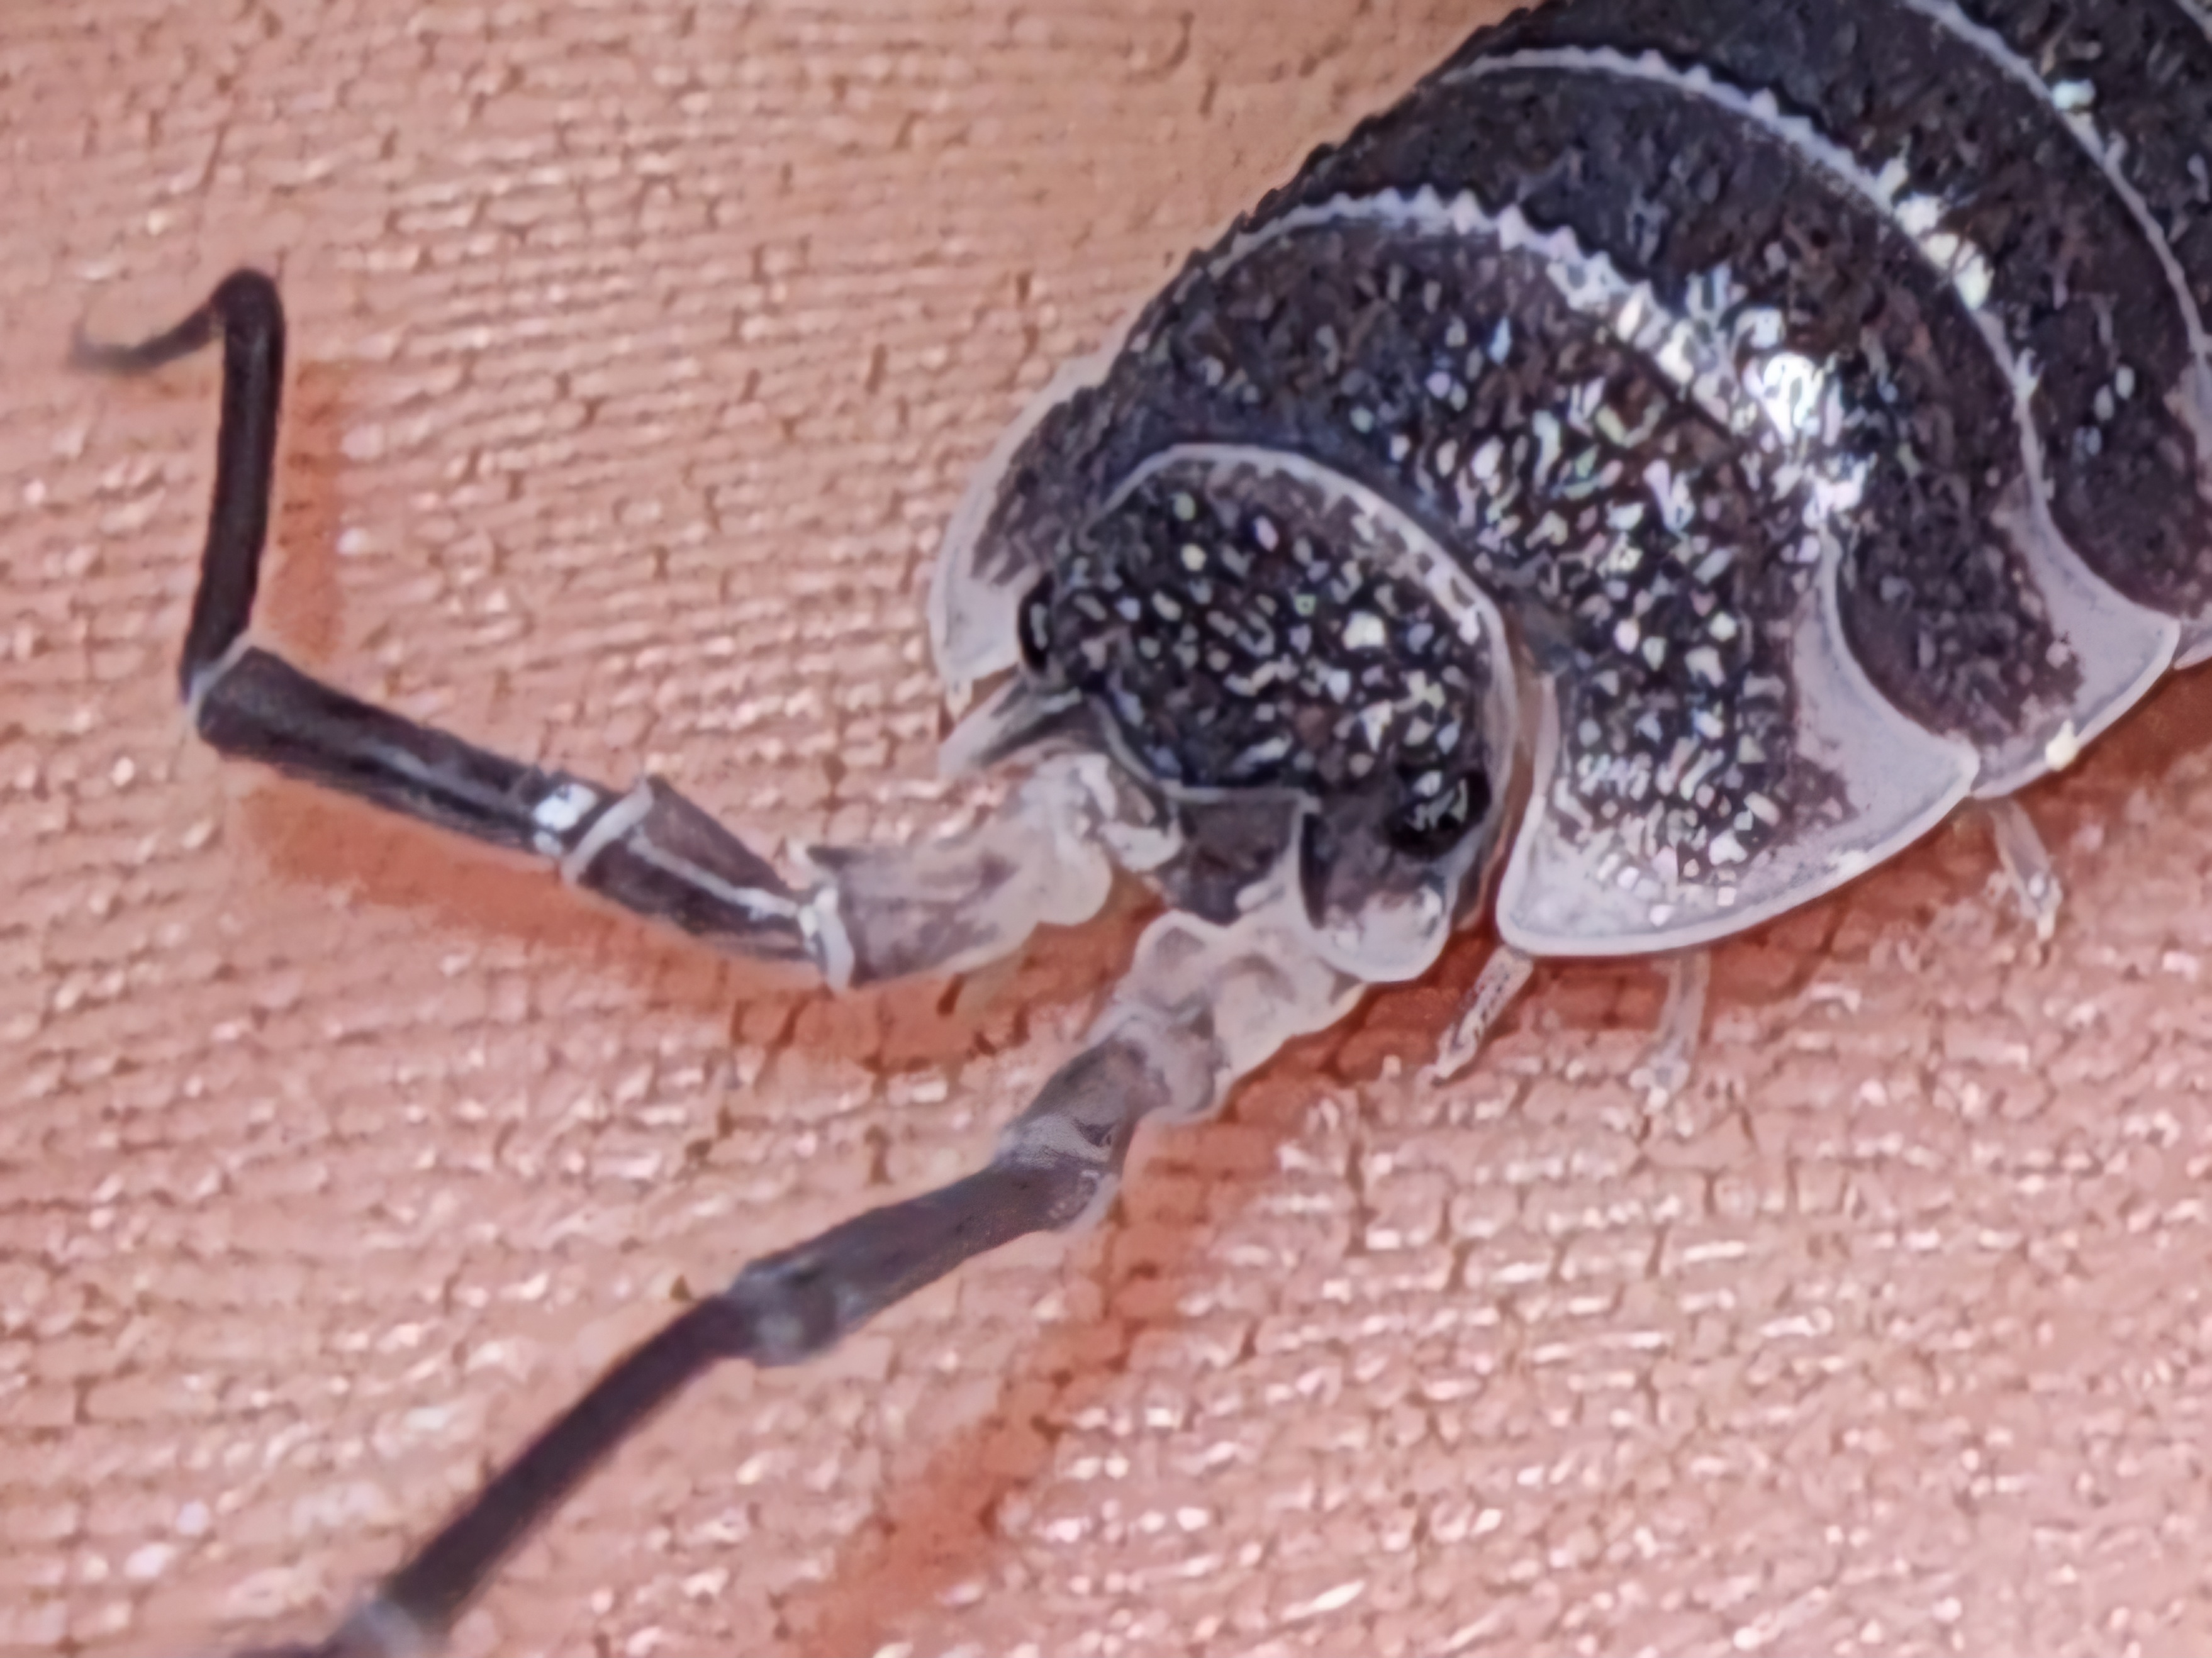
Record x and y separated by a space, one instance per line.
1806 405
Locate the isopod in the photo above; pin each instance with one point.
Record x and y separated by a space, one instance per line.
1673 459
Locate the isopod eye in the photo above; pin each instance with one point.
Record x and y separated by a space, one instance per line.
1036 625
1378 910
1435 810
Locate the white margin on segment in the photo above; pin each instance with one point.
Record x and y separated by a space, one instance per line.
1916 216
973 624
1726 357
2077 119
1963 263
616 821
560 812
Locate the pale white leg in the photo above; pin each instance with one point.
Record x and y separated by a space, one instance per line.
1673 1051
1503 977
2027 865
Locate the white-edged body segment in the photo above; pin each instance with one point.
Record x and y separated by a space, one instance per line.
1573 889
2117 648
975 587
1594 868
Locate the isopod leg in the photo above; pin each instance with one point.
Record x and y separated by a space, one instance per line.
1673 1051
870 916
2027 866
1503 977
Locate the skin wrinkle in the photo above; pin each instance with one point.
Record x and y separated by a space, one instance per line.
640 355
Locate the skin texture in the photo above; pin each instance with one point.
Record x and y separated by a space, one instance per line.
640 353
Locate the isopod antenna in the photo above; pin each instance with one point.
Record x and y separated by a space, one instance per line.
1203 1005
1055 1164
870 914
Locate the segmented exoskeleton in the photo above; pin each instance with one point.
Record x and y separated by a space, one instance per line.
1668 462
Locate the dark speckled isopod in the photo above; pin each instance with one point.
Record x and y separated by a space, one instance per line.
1668 462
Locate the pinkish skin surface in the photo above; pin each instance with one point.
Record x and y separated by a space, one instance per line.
641 353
